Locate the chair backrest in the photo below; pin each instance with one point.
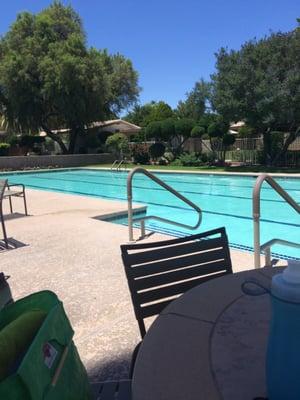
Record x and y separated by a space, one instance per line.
159 272
3 184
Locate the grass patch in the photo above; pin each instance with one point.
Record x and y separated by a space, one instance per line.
204 168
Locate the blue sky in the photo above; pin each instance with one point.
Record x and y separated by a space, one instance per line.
170 42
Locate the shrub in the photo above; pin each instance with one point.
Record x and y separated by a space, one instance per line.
188 160
157 150
140 153
198 131
4 149
31 140
169 156
13 140
118 143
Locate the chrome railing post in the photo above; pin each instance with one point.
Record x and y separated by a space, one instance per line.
143 219
268 262
256 212
143 230
129 201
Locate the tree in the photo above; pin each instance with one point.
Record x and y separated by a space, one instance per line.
260 84
157 150
153 130
197 101
173 131
139 113
118 143
218 134
149 112
50 79
198 131
183 129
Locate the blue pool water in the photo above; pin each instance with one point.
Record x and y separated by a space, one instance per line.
225 201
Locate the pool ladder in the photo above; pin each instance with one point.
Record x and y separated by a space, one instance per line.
266 247
142 220
117 164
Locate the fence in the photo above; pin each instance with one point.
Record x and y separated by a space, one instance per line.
246 150
70 160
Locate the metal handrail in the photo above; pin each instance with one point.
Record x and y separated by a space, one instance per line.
266 248
256 211
113 164
143 219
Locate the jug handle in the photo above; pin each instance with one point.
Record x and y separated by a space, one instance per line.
248 287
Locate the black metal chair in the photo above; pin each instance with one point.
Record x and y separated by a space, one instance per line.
112 390
6 192
159 272
15 190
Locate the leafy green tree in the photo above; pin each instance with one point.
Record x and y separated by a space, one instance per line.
260 84
197 101
159 112
198 131
149 112
175 132
153 130
183 129
138 115
218 133
118 143
167 128
218 129
157 150
50 79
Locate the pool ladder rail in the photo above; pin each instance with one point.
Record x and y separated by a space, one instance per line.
142 220
266 247
117 164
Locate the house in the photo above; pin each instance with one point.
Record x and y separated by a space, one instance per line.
116 126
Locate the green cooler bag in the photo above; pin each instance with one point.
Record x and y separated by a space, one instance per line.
38 358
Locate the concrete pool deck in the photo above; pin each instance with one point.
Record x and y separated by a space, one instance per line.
64 247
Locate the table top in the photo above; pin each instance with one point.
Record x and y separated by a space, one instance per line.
208 344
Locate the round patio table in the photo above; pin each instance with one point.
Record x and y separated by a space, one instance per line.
209 344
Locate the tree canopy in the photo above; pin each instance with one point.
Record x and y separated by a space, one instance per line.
260 84
49 78
149 112
197 101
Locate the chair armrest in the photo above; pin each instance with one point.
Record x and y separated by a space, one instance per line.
16 184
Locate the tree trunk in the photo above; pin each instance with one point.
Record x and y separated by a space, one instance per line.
55 137
72 143
289 140
75 131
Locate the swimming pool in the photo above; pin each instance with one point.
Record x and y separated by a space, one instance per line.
226 200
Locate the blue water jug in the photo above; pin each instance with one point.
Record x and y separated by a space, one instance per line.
283 353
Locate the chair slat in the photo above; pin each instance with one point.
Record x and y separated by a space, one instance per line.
170 290
174 276
159 272
170 242
179 262
147 310
153 309
172 251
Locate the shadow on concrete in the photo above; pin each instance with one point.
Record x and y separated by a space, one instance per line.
12 244
14 215
111 369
